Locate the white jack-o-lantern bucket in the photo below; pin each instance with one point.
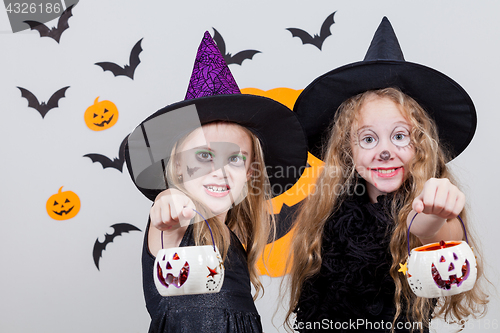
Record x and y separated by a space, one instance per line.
441 269
188 270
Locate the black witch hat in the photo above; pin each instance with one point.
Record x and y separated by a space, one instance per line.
214 96
384 66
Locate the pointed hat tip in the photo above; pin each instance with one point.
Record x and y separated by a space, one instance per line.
384 45
211 75
385 24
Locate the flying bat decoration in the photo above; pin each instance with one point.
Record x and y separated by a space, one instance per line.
106 162
119 229
43 107
317 41
54 33
127 70
230 59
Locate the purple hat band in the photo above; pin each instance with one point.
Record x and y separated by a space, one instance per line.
211 75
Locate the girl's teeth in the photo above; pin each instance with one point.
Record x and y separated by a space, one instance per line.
386 171
216 189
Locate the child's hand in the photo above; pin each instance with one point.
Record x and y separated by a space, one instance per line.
172 209
441 198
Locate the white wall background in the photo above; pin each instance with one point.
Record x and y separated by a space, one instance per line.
48 280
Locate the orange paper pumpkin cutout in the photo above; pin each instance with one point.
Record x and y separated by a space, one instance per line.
285 96
275 253
101 115
63 205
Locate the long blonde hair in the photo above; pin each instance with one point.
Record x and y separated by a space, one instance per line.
339 173
251 219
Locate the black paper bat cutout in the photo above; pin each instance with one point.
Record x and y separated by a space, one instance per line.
316 40
230 59
127 70
43 107
54 33
99 247
106 162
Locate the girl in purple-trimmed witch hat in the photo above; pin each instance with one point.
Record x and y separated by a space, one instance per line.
375 124
220 153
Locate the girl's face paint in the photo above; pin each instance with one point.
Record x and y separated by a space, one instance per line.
214 162
381 127
191 171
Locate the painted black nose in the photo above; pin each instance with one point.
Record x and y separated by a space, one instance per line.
385 155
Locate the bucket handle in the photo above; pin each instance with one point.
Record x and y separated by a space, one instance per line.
413 218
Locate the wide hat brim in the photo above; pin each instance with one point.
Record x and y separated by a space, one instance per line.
283 141
444 99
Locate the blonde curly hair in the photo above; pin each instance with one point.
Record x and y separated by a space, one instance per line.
339 173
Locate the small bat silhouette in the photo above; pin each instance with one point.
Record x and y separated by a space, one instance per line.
316 40
54 33
99 247
230 59
191 171
106 162
125 70
43 107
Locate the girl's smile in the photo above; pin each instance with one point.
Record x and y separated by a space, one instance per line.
387 172
217 191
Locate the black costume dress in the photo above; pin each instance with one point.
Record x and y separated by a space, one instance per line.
230 310
353 289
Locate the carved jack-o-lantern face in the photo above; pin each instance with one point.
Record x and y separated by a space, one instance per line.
441 269
173 273
101 115
450 270
63 205
188 270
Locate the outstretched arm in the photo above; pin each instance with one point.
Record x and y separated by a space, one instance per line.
437 206
170 213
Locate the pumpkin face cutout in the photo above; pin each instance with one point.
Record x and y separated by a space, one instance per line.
63 205
101 115
170 267
441 269
188 270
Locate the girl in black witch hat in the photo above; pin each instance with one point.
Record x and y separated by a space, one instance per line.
385 129
222 153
